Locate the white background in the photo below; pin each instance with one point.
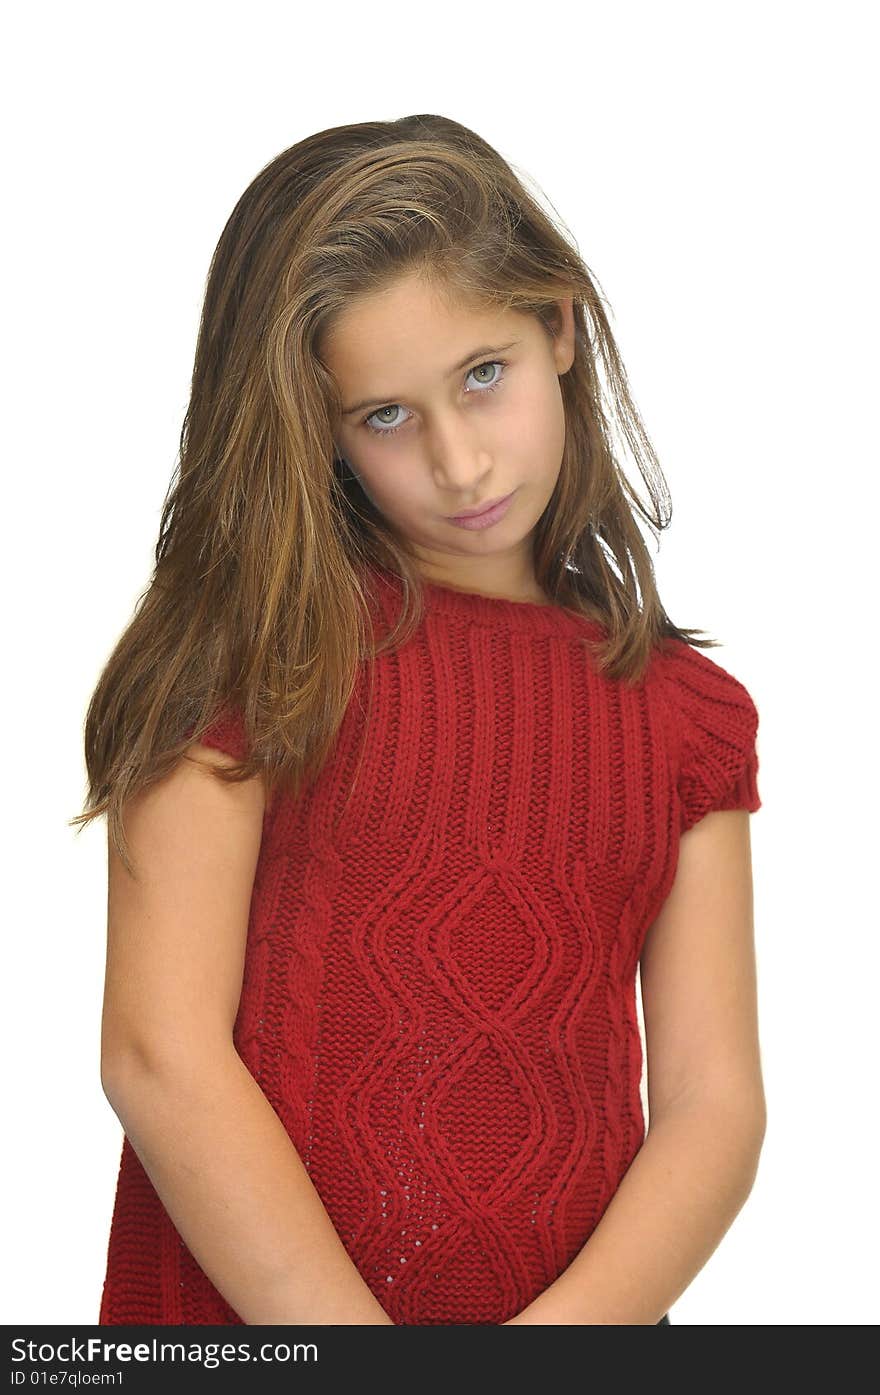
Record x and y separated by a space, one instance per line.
716 166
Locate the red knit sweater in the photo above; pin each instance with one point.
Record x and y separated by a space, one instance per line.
439 988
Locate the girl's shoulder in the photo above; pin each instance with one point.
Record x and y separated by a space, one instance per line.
226 733
712 721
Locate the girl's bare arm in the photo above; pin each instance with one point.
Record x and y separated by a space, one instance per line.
216 1152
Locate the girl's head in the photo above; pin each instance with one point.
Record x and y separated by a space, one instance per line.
366 262
449 404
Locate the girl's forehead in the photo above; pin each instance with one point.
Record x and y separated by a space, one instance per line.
412 306
392 327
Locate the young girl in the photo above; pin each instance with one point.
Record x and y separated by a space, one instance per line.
407 774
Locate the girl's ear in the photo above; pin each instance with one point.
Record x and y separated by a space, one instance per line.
564 343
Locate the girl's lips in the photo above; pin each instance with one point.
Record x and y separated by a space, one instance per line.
486 519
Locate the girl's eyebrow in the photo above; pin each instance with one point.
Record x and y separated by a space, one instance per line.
456 368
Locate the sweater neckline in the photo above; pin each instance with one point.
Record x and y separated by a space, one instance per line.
530 617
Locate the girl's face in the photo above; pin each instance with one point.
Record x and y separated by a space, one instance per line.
447 409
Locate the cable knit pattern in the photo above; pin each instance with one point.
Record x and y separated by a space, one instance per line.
439 994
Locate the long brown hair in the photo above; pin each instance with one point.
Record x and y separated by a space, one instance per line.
257 598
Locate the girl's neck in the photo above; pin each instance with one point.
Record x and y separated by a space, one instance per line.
534 596
513 585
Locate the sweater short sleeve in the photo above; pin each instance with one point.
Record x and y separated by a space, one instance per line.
715 725
226 733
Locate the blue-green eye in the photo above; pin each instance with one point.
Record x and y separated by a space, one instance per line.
500 363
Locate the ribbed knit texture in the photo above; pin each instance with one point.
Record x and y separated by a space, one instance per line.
439 994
